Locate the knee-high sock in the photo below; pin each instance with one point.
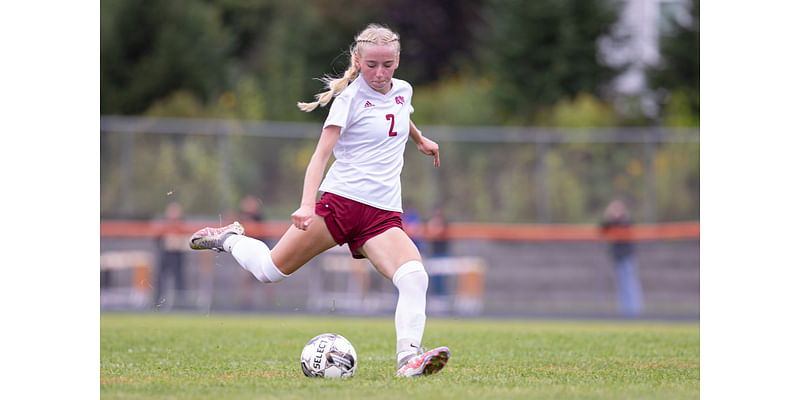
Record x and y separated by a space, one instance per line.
411 281
254 256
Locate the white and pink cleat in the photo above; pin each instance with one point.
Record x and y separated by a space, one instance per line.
426 363
210 238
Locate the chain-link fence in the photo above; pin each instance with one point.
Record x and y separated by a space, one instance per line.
488 174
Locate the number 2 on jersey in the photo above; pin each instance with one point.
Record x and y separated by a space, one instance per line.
392 132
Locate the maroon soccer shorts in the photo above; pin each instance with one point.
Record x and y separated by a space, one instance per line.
354 223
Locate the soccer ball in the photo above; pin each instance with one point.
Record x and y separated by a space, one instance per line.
328 356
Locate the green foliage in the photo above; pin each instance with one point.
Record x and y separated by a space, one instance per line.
539 52
677 165
180 103
679 71
456 101
680 111
480 182
149 49
535 53
556 183
472 63
480 61
160 356
236 48
584 111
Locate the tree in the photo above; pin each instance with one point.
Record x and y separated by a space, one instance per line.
539 52
679 70
150 49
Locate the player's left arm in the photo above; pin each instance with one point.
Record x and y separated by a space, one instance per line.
425 145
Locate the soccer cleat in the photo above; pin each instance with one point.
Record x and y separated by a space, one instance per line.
212 238
429 362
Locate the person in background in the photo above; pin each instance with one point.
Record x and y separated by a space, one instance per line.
436 230
439 247
171 244
249 290
250 209
412 224
629 288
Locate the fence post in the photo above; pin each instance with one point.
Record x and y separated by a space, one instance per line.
223 146
125 171
542 183
650 196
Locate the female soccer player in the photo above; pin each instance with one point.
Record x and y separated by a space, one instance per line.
366 129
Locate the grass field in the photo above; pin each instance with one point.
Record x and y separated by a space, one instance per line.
169 356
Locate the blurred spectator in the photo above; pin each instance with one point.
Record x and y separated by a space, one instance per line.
412 224
629 289
250 209
436 229
171 242
438 247
250 290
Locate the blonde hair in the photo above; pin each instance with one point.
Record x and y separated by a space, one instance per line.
373 34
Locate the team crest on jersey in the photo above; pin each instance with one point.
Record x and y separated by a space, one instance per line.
368 104
399 99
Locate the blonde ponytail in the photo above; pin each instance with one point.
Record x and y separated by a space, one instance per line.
373 34
334 85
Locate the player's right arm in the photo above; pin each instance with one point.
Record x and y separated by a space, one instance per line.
314 172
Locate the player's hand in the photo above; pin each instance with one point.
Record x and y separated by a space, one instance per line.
302 218
431 148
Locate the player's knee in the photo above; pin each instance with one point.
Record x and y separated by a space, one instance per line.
412 274
270 272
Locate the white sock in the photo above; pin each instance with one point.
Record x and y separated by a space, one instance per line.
254 256
411 281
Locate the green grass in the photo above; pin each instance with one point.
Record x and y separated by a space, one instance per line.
168 356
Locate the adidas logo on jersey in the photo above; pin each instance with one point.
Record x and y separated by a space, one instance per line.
368 104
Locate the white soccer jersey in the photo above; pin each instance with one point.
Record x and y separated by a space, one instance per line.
369 152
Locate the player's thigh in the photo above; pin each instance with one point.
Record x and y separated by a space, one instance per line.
296 247
390 250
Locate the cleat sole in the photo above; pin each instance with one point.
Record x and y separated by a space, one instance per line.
436 363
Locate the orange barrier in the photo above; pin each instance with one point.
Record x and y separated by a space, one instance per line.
144 229
509 232
673 230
